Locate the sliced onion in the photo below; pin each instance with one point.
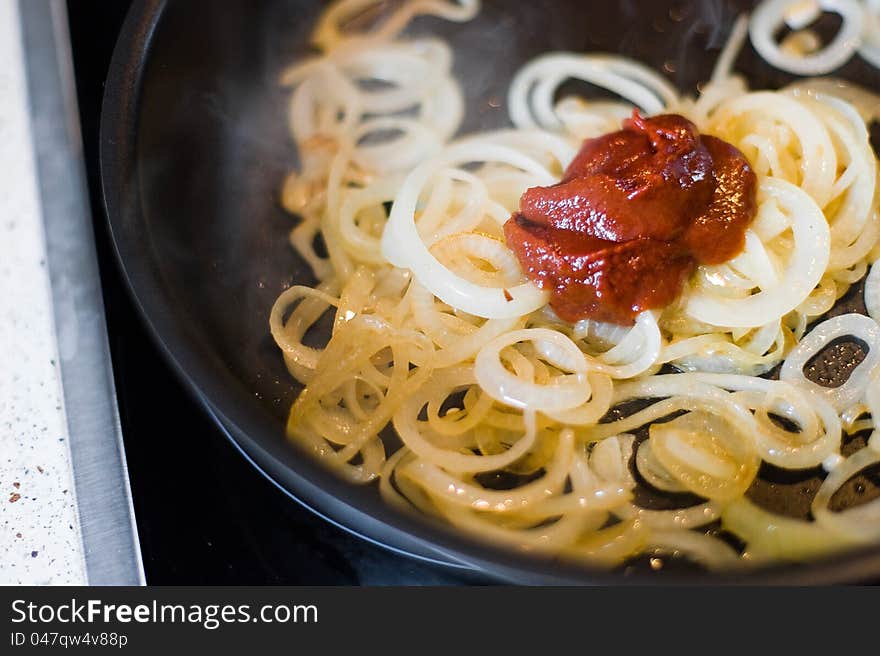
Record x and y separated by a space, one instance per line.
610 546
403 246
653 471
701 548
705 454
602 390
330 32
872 292
562 393
870 47
770 15
288 334
610 458
807 265
820 432
862 522
413 432
769 536
535 501
867 103
412 143
531 94
846 325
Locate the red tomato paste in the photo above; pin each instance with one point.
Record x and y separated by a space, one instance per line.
636 211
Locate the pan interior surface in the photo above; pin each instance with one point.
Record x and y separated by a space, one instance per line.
195 146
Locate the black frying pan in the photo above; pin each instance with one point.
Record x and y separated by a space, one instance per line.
194 147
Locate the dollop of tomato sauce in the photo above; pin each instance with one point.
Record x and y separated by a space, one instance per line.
635 212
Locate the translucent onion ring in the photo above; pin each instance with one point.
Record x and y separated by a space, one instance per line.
855 325
872 292
870 47
530 97
564 393
408 428
861 522
769 17
866 103
329 34
812 239
403 246
772 537
610 460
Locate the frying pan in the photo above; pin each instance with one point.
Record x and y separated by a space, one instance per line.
194 146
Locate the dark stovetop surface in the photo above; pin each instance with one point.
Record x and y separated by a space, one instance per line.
204 515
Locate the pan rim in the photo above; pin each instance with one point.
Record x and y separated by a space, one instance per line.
309 483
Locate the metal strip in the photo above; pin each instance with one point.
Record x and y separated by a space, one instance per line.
109 532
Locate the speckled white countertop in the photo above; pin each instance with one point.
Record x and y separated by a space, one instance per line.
39 535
